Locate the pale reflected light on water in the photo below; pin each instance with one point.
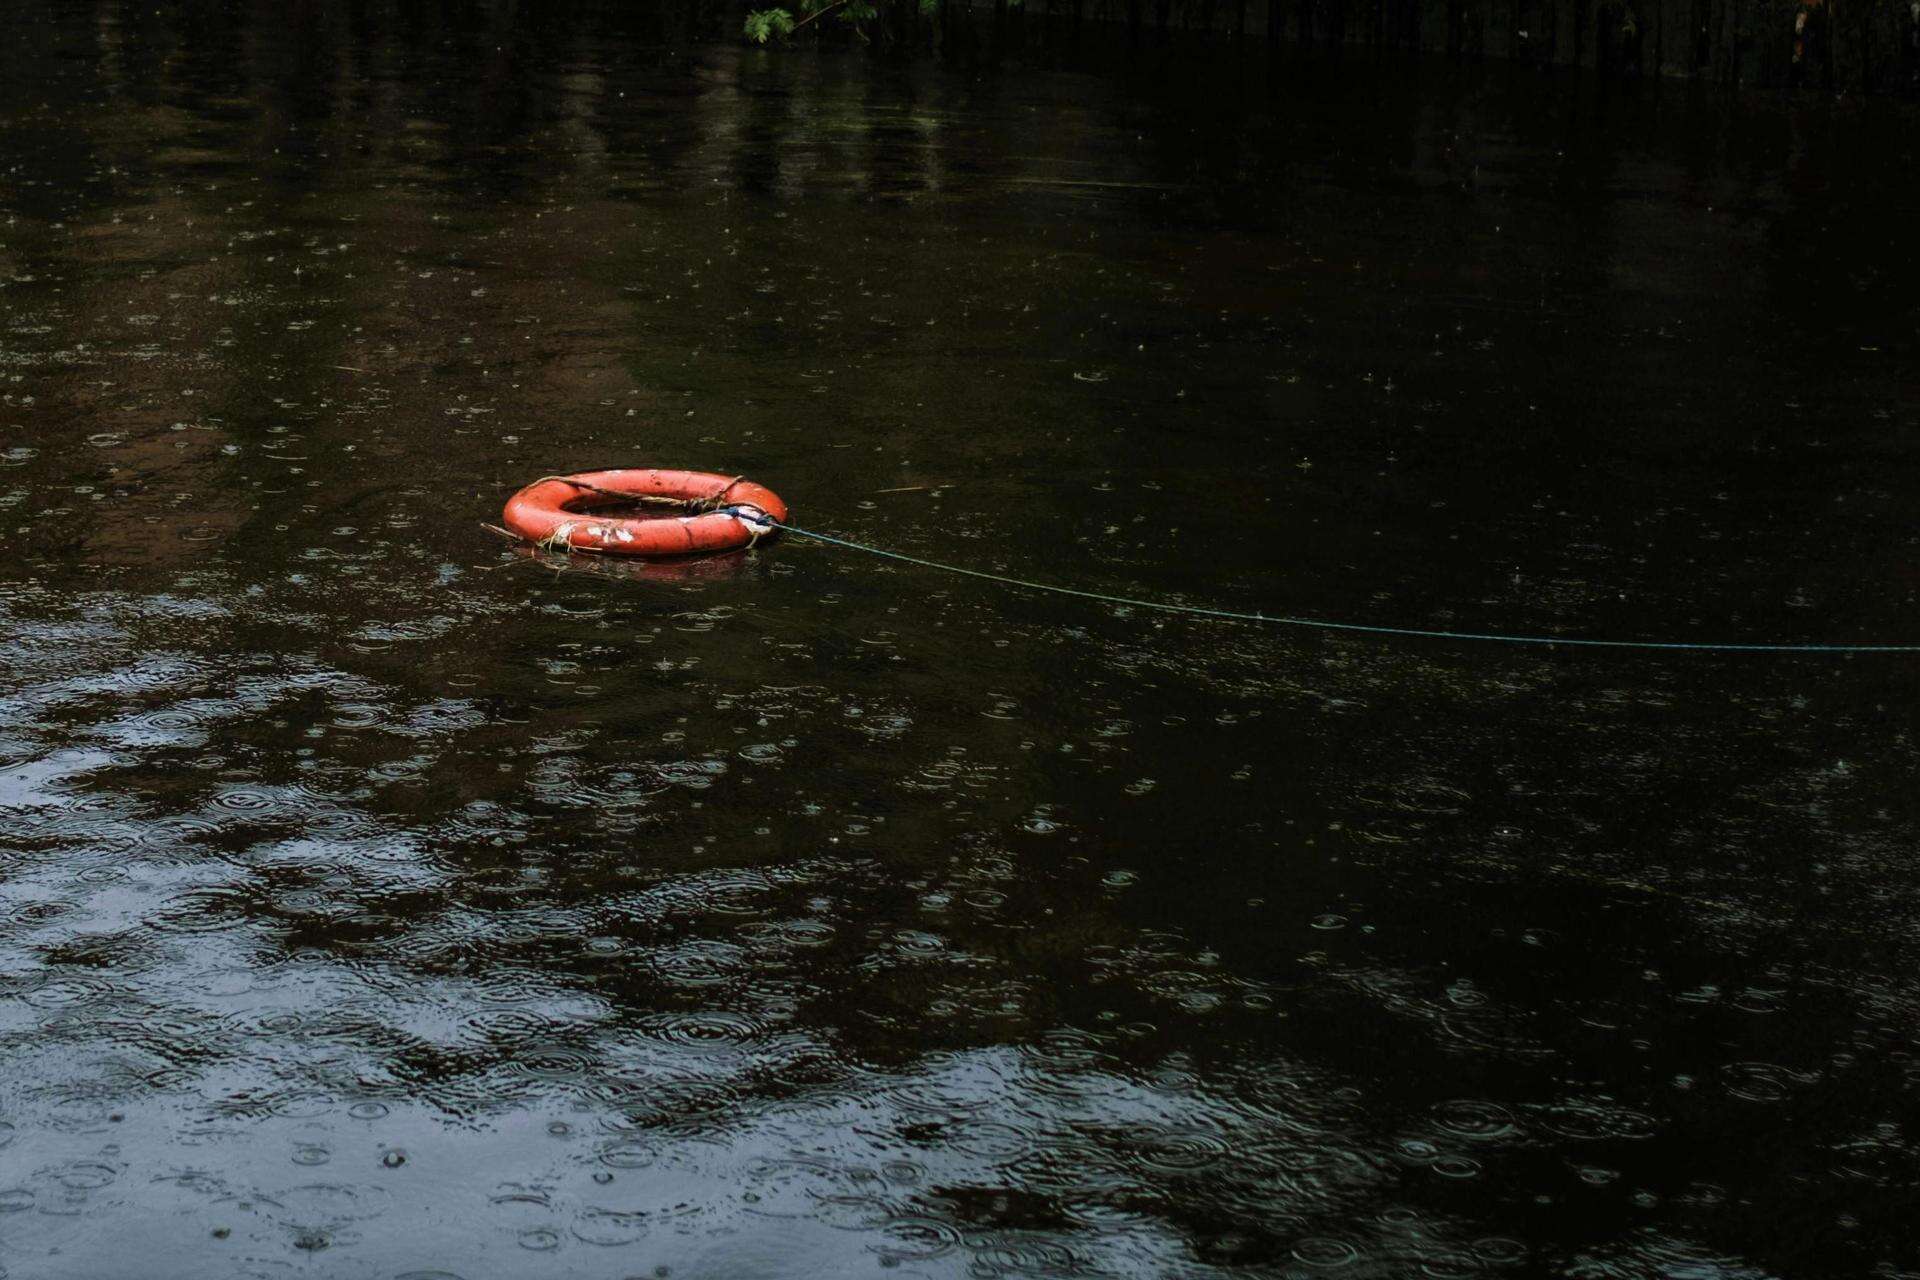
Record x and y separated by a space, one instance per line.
376 900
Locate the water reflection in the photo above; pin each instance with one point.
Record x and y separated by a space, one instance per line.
367 892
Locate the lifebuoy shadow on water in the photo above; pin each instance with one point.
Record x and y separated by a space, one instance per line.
714 567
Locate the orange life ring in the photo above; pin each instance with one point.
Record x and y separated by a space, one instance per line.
714 512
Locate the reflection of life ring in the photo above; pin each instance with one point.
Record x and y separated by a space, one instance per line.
700 511
1809 12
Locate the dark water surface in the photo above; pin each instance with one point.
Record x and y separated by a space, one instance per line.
376 903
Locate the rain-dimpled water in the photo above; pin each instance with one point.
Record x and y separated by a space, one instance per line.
379 899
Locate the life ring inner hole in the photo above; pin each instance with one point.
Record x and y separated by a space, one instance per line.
600 507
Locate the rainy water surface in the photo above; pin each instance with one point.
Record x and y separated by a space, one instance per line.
378 901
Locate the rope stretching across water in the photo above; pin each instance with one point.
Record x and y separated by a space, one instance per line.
1319 624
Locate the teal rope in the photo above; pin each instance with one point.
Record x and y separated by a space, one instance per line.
1199 611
